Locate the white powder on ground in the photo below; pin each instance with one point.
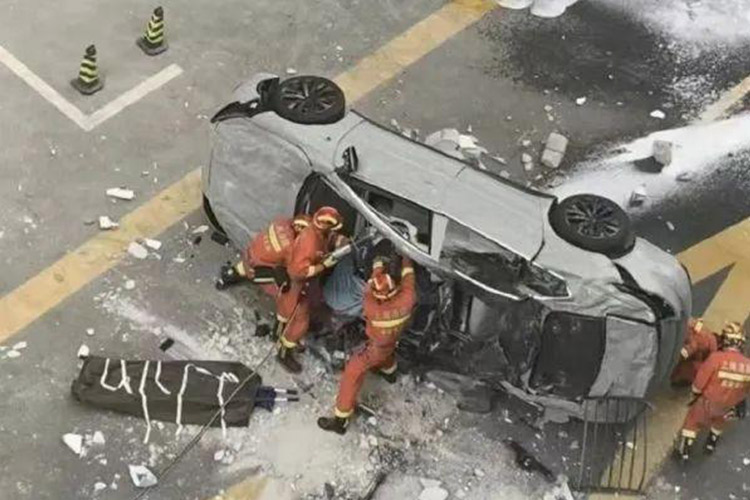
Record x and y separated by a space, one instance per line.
698 151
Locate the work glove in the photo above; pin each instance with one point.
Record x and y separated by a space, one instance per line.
329 262
740 411
281 278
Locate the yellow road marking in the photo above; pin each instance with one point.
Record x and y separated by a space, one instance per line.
412 45
65 277
730 247
726 102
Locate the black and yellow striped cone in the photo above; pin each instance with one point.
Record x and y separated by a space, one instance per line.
88 81
153 42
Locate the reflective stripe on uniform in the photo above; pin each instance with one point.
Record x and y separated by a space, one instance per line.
287 343
390 369
390 323
695 390
342 414
407 271
273 238
684 353
716 431
689 434
282 318
737 377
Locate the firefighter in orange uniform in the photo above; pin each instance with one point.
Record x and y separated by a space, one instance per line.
267 251
308 258
388 306
700 343
722 384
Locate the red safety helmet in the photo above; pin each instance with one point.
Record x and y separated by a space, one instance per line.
328 218
300 222
381 282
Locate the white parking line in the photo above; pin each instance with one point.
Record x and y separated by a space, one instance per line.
87 122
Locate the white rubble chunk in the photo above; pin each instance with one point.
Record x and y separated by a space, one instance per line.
478 472
142 476
467 141
670 226
526 143
129 284
121 193
98 438
515 4
13 354
19 346
200 229
662 152
638 196
99 486
105 223
90 332
581 101
433 494
746 461
684 176
152 244
137 250
429 483
219 455
526 158
658 114
291 71
74 442
83 351
554 150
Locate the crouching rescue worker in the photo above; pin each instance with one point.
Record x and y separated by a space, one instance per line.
700 343
388 304
722 384
309 256
265 258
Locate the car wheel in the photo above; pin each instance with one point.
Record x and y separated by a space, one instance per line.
211 216
593 223
309 100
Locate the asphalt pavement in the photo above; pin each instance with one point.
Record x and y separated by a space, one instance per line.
508 78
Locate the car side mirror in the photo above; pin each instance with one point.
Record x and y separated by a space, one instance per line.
351 161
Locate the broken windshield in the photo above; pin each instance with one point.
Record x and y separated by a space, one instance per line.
474 256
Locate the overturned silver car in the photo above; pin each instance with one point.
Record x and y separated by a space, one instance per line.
556 300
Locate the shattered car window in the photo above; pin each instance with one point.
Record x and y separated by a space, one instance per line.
483 260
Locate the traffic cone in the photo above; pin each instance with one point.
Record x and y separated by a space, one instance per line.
88 81
153 41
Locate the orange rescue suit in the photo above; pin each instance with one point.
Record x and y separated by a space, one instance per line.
271 248
723 381
292 306
699 344
385 320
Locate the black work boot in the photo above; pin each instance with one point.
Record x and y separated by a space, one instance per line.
391 378
334 424
228 276
285 356
711 442
684 448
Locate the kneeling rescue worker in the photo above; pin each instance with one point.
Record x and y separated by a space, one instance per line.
388 304
309 256
721 386
265 258
700 343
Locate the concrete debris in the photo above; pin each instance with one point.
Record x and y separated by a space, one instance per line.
478 472
395 125
83 351
575 445
19 346
561 491
130 285
141 476
639 195
429 483
121 193
74 442
98 438
526 158
526 143
105 223
200 229
13 354
581 101
291 71
152 244
670 226
90 332
554 150
663 152
746 461
456 144
658 114
137 250
684 176
433 494
99 486
547 108
505 174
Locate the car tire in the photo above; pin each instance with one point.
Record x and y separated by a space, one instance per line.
211 216
309 100
593 223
